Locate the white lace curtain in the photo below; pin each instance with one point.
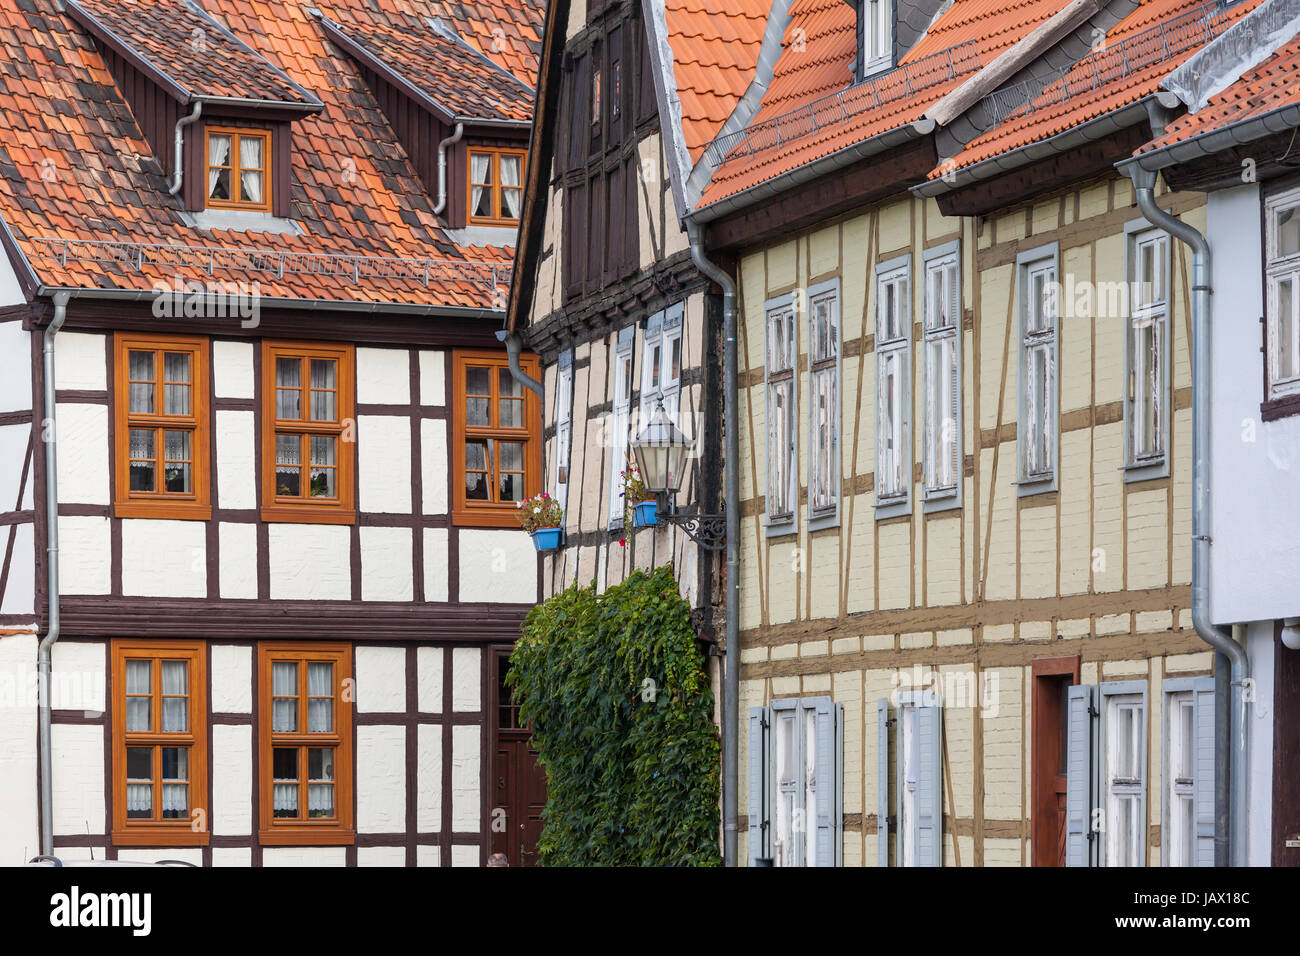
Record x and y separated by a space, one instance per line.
250 164
511 194
480 166
284 684
218 155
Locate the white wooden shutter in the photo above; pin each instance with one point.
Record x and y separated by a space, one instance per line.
827 813
1203 769
882 782
954 394
928 832
1079 762
760 761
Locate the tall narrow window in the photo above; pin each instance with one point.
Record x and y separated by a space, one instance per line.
824 408
661 364
620 422
782 448
496 434
942 371
305 723
1038 388
877 36
563 426
1124 778
893 388
161 431
796 782
496 190
307 433
159 743
1181 784
1282 239
1146 400
238 165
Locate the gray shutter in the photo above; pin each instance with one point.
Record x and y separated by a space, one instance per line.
826 813
882 782
759 829
1078 765
1203 769
929 782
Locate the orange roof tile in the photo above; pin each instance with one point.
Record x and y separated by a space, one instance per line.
1138 53
715 52
975 30
508 32
1270 86
75 168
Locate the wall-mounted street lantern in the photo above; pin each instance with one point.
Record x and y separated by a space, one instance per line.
661 452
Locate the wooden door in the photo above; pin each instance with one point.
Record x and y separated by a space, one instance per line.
1052 680
1286 753
518 783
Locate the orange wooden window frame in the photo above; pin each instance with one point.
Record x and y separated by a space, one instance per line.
339 830
236 183
493 514
158 832
192 505
277 507
498 217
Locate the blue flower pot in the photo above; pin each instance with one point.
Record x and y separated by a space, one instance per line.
645 514
548 539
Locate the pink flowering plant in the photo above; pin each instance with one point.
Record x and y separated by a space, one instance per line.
634 491
539 512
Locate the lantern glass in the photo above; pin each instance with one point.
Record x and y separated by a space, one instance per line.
660 451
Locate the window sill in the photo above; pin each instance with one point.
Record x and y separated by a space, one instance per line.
163 510
159 836
893 509
305 514
939 504
1282 407
306 836
780 527
1035 486
485 518
1135 472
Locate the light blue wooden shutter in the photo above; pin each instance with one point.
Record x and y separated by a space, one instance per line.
929 781
1080 706
882 782
827 795
759 829
1203 769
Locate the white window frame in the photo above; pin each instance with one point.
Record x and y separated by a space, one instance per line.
563 426
782 375
894 497
1281 270
659 382
824 372
1038 419
1117 788
1149 307
789 823
1180 791
620 421
941 389
877 33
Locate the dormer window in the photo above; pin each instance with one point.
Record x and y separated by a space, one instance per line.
496 194
877 36
238 175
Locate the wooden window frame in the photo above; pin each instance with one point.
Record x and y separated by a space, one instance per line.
1281 397
195 505
492 514
338 510
340 830
236 134
498 218
127 832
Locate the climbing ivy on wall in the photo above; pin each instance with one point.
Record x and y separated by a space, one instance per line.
622 719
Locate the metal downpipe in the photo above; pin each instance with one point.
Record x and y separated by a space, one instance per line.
52 567
513 345
442 167
731 507
178 165
1235 755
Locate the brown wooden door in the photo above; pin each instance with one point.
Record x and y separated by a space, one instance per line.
1052 680
518 783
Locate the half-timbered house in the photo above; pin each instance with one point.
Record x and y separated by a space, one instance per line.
973 609
260 447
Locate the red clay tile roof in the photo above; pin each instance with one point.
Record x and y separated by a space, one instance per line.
75 166
454 75
1139 52
1270 86
976 31
194 51
508 32
715 50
